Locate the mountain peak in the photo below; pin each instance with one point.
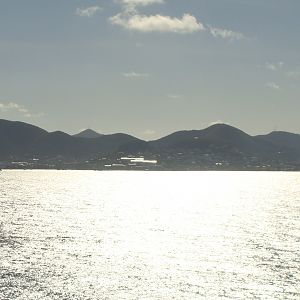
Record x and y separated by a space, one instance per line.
222 126
224 130
88 134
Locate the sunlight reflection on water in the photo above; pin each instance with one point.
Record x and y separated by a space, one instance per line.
149 235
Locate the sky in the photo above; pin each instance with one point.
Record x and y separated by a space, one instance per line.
150 67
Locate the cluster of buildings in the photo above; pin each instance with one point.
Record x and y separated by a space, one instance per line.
188 160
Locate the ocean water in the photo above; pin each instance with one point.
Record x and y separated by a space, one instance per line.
149 235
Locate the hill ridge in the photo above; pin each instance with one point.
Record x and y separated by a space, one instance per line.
220 144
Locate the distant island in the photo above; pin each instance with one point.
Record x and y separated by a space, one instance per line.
218 147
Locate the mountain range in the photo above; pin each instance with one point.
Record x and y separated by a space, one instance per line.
22 141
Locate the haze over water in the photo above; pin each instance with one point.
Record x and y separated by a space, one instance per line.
149 235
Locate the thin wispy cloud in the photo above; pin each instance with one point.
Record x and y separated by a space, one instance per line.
138 44
217 122
273 86
149 132
174 96
130 6
293 74
226 34
88 11
135 75
12 106
274 66
141 2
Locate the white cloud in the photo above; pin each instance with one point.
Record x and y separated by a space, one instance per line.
88 11
273 85
135 75
131 19
226 34
158 23
11 106
274 66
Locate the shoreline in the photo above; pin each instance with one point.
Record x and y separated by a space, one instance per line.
166 170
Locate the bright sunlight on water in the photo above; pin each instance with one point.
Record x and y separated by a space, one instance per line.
149 235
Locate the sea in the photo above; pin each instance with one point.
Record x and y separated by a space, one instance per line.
80 235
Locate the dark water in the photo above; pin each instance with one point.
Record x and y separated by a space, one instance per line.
156 235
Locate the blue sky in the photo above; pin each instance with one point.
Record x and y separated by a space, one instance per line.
150 67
